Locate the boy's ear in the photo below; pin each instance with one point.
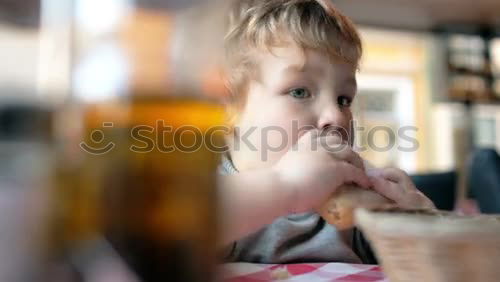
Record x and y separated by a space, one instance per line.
232 113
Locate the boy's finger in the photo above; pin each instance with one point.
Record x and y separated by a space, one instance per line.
397 175
333 142
341 150
387 188
351 157
309 137
374 172
355 175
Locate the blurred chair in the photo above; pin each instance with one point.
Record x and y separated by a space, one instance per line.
484 180
439 187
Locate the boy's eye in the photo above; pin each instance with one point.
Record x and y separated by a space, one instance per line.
344 101
300 93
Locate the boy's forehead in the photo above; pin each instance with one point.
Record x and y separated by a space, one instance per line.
283 57
292 59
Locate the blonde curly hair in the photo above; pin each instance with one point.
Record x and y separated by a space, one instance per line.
263 24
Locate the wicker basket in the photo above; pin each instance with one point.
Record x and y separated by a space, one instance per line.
428 246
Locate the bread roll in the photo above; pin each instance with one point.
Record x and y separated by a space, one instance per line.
339 209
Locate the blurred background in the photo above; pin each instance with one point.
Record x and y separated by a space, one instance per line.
423 64
67 66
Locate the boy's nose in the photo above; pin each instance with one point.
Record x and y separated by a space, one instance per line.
332 119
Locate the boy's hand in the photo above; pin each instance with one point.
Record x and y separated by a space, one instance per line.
396 185
315 167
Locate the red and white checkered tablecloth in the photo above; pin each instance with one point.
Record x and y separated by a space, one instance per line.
248 272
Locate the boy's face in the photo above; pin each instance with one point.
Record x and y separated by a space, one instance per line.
296 89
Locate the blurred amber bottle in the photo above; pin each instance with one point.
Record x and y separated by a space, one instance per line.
144 179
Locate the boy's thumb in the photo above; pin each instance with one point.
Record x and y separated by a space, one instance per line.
309 136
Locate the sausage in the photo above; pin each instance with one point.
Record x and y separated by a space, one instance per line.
339 209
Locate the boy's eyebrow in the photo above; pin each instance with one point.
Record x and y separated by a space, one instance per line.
300 68
348 82
295 68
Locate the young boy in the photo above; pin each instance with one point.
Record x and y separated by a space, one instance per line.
291 67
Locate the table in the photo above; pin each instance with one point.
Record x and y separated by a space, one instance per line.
248 272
